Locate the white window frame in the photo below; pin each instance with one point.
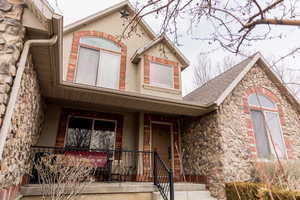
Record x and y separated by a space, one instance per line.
272 150
98 69
157 85
281 134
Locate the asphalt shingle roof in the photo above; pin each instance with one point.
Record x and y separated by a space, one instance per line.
209 92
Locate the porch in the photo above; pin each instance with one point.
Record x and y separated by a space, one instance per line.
121 145
69 125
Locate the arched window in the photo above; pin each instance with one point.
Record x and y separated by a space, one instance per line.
98 62
267 128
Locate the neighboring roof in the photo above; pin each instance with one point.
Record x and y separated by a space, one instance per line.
76 25
163 38
217 89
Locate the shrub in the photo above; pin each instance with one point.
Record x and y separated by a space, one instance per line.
257 191
242 190
279 195
285 175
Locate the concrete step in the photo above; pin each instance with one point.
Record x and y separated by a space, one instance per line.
189 187
98 188
183 191
186 195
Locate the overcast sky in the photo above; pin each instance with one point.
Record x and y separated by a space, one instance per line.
74 10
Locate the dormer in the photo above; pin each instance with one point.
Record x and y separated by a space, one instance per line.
159 65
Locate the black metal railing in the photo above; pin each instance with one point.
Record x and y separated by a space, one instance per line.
114 166
109 165
163 178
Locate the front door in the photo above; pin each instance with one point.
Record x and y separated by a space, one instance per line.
161 141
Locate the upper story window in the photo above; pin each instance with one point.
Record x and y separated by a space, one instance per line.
267 128
161 75
98 62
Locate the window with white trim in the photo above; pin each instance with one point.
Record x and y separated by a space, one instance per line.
161 75
98 63
267 128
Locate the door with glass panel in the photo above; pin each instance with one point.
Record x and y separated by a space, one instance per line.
88 133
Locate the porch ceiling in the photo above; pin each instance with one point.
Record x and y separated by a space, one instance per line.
83 94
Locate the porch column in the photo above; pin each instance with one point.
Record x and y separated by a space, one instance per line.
141 144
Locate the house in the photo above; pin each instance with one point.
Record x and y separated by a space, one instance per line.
81 88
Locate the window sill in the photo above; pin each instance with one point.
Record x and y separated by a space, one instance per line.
160 89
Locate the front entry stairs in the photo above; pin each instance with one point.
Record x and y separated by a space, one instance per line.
128 191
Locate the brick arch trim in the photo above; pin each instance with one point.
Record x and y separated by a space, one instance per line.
248 121
74 54
263 91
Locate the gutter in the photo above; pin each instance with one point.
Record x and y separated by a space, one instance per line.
132 95
16 87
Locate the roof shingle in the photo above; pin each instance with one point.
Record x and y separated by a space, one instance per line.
209 92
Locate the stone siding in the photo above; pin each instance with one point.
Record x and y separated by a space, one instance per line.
11 45
222 144
202 150
26 126
239 143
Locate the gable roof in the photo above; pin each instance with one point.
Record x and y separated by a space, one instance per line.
94 17
135 58
217 89
163 38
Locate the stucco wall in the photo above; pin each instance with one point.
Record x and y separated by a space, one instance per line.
50 127
113 24
26 126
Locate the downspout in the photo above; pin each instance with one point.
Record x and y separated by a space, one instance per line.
16 87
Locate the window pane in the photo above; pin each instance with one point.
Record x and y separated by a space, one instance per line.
103 136
259 100
79 132
161 75
275 130
87 66
100 43
109 71
262 142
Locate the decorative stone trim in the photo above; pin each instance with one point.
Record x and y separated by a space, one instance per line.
63 123
74 54
175 65
176 141
249 124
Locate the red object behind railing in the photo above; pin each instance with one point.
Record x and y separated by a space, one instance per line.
98 159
